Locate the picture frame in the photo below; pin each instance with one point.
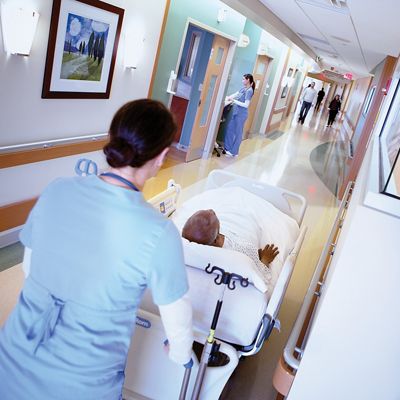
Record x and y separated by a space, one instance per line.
82 49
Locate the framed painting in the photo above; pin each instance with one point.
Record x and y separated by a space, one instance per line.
82 48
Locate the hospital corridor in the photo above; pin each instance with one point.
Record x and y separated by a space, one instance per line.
199 200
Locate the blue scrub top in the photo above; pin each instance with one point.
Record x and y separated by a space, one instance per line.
95 248
244 94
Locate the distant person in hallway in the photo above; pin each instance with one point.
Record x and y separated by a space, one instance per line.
320 97
307 99
94 247
334 108
240 104
203 227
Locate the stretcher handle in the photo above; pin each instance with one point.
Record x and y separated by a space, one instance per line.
186 378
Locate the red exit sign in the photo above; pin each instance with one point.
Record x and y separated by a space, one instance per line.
348 76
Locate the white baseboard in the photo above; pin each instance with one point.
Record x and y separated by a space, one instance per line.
10 236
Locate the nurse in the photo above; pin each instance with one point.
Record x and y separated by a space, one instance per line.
241 102
92 247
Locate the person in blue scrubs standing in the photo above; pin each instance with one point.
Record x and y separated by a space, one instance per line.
92 247
241 102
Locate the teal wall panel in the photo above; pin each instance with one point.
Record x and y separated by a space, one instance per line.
205 12
245 57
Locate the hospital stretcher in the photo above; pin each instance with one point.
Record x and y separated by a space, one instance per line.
248 314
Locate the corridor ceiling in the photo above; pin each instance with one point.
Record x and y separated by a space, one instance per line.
352 36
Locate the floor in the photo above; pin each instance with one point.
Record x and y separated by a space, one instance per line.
306 159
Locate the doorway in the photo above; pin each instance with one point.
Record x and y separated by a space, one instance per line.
259 75
200 72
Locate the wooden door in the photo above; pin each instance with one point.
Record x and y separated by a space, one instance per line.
259 75
209 91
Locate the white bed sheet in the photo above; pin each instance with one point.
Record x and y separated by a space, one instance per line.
256 221
251 218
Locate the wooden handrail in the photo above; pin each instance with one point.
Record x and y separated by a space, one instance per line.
12 156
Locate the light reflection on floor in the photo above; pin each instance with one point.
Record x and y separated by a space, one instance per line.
284 162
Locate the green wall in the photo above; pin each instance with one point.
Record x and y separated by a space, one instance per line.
243 63
245 57
205 12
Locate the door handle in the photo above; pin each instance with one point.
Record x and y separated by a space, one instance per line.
199 103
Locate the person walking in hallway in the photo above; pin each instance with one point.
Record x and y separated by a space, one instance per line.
307 98
334 108
320 96
241 102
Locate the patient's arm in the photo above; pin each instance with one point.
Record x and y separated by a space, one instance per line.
268 253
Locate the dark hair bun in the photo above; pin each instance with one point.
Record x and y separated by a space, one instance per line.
119 153
139 131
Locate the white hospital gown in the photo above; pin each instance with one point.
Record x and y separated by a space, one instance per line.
233 242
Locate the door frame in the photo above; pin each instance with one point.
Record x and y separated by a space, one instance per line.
214 122
263 90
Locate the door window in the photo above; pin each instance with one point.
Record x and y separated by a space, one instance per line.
220 54
192 53
207 101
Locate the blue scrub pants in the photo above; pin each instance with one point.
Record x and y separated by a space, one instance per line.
234 133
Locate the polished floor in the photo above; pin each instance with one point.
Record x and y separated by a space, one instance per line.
306 159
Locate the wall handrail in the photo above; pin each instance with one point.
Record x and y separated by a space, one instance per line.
315 287
52 142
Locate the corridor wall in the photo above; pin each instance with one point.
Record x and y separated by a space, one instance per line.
205 12
25 117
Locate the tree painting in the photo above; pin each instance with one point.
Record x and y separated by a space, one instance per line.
84 46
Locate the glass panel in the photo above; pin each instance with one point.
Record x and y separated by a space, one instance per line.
390 148
393 183
220 54
369 100
207 101
260 68
191 57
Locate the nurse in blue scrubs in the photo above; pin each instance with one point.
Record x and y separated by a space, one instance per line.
93 245
241 101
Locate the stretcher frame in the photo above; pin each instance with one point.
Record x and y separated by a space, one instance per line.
288 202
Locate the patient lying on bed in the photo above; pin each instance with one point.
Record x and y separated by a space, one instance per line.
203 227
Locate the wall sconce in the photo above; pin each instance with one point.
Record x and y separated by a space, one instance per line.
221 17
18 28
134 46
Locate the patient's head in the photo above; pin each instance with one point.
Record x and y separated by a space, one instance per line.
202 227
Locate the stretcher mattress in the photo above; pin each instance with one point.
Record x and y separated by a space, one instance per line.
256 221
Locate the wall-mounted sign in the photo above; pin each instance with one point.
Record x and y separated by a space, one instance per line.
244 40
348 76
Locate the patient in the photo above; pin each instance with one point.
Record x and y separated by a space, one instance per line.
203 228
